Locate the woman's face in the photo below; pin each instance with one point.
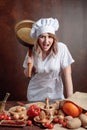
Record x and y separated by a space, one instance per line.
45 42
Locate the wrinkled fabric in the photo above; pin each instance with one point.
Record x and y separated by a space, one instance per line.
47 81
44 25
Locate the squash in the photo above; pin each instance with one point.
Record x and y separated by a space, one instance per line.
71 109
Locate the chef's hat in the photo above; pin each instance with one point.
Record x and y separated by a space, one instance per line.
44 25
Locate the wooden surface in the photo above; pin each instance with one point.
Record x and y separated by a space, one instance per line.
11 104
72 16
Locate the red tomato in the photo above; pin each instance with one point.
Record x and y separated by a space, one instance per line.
64 124
46 124
55 120
8 117
2 116
61 121
51 126
29 122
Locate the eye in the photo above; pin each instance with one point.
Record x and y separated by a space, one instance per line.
41 36
49 36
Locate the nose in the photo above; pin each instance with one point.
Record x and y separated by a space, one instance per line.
46 39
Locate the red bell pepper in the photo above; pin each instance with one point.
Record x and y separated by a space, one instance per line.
33 111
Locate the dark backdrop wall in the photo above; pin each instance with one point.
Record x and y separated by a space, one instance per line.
72 16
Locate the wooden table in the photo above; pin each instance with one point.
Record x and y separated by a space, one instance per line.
11 104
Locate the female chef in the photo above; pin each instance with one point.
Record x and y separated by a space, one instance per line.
49 59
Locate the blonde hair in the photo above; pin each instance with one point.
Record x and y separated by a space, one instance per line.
54 47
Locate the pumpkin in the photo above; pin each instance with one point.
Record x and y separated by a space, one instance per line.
71 109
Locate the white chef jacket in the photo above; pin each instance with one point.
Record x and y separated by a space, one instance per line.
47 81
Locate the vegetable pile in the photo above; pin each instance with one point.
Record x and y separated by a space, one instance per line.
46 115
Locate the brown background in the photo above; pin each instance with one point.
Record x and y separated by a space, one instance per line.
72 16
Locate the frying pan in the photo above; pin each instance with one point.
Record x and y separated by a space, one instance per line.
22 30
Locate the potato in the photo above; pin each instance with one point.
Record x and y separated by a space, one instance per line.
83 119
68 118
74 123
16 116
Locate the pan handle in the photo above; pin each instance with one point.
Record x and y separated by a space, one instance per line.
30 64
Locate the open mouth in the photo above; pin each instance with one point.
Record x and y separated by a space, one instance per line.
45 45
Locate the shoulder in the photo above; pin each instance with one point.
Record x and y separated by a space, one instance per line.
61 46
